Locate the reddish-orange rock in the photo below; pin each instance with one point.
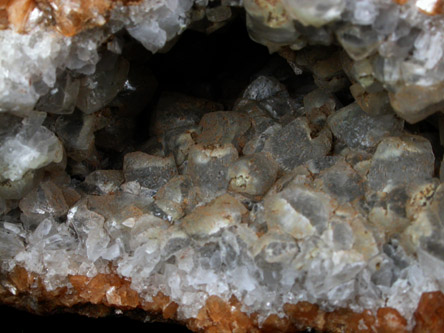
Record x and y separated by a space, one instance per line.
21 279
98 296
274 323
18 12
430 313
389 320
304 315
73 16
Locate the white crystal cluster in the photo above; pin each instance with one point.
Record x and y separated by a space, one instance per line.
250 203
31 62
45 63
395 48
398 48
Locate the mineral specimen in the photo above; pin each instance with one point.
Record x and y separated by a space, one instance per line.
301 191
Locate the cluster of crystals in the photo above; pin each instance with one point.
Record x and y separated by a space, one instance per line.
283 199
32 63
397 49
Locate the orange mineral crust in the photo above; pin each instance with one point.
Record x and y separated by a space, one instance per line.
104 293
67 16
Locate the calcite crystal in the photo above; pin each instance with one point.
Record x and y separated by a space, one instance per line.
307 196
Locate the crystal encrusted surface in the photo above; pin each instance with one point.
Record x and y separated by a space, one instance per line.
394 47
301 196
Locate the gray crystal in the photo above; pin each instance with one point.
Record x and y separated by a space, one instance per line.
176 110
401 160
223 127
62 98
180 140
149 171
293 145
318 99
17 189
262 129
342 182
360 130
77 133
262 88
208 168
101 182
100 88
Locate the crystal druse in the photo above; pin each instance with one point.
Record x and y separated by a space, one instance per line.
312 199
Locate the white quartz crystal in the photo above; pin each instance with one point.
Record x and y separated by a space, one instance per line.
26 145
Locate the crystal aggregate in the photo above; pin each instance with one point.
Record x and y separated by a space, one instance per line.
282 198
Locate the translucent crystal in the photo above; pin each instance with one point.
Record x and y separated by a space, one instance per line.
10 244
77 133
176 197
153 24
275 202
272 33
17 189
358 41
99 89
280 105
103 181
253 174
28 60
264 128
26 145
315 13
298 211
222 212
44 201
388 211
62 98
149 171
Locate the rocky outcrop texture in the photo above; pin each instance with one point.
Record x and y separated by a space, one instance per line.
302 192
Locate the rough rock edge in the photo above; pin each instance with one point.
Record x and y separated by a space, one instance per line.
105 293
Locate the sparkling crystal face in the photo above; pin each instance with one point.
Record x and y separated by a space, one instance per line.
214 169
